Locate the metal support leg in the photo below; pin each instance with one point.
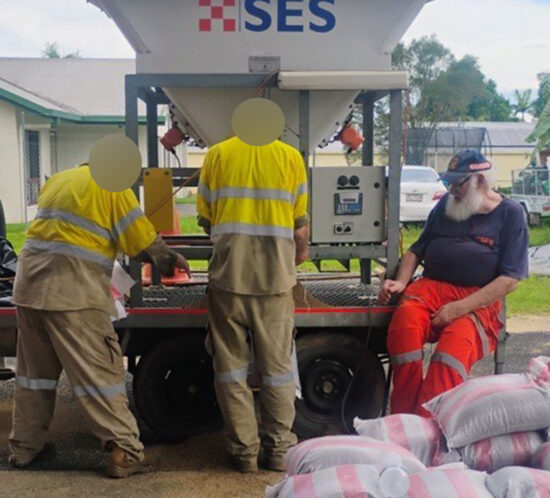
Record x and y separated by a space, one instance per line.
367 160
131 98
500 351
152 157
394 180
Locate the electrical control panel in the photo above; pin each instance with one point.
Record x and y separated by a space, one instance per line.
347 204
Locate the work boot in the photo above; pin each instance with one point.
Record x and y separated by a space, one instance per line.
245 466
48 450
120 466
275 463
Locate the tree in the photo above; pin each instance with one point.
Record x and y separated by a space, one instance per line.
491 106
448 97
523 102
543 93
51 51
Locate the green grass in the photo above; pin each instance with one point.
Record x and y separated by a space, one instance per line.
530 297
539 236
17 235
190 199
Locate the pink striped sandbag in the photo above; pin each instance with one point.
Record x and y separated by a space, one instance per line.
345 481
444 483
493 405
329 451
502 451
420 435
541 459
519 482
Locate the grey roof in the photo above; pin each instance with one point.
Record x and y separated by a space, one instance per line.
86 87
500 134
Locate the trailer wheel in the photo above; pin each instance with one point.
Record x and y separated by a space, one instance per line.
174 389
327 362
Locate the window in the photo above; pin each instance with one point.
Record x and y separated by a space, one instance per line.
421 175
32 165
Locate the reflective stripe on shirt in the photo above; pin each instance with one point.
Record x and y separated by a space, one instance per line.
250 193
125 222
70 250
73 219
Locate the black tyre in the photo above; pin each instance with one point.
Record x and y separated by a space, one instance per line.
174 389
3 230
327 362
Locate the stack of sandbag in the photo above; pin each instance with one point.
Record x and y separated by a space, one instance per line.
425 440
343 466
495 421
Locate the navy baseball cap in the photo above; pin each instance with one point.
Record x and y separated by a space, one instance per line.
465 163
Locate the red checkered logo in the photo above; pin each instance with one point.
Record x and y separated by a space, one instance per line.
218 16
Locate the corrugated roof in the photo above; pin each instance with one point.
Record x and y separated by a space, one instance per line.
500 134
88 87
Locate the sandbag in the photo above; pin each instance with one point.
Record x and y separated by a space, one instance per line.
541 459
519 482
420 435
443 483
329 451
502 451
494 405
340 481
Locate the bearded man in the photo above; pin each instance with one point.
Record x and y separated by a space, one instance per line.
474 252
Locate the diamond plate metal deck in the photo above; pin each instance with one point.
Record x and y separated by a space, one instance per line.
331 292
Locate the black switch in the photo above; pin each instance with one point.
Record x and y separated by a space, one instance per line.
354 180
342 180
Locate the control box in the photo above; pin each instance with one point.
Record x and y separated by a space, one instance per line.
347 204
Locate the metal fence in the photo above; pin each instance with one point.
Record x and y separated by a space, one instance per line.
531 181
424 144
32 166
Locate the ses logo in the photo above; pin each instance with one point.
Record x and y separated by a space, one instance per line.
259 16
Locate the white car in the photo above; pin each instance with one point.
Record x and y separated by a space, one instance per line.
421 189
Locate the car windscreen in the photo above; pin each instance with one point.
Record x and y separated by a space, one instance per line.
421 175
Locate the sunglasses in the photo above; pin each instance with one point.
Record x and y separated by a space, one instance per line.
458 184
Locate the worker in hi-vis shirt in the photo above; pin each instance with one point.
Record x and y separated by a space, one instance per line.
63 310
252 200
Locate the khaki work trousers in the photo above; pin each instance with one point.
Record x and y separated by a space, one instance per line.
264 325
84 344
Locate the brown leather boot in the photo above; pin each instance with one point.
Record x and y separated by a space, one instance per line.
119 465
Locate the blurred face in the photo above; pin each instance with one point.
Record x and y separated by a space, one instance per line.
465 199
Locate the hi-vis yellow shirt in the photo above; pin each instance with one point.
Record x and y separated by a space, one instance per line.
252 199
78 219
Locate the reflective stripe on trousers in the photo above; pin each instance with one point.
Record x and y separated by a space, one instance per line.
36 384
100 391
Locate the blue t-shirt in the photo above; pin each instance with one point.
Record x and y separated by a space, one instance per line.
475 251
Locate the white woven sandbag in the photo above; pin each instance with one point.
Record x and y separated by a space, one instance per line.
448 482
418 434
329 451
334 482
502 451
541 459
519 482
494 405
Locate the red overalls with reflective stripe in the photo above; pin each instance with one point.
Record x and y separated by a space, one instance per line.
459 345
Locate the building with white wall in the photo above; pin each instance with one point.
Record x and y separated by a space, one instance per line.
52 112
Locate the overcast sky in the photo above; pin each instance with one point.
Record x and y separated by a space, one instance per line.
511 38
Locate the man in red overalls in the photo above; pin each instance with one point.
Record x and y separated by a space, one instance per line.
474 252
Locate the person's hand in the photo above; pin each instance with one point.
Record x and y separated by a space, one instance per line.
389 289
182 263
447 314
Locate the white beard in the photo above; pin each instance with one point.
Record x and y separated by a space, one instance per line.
469 205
